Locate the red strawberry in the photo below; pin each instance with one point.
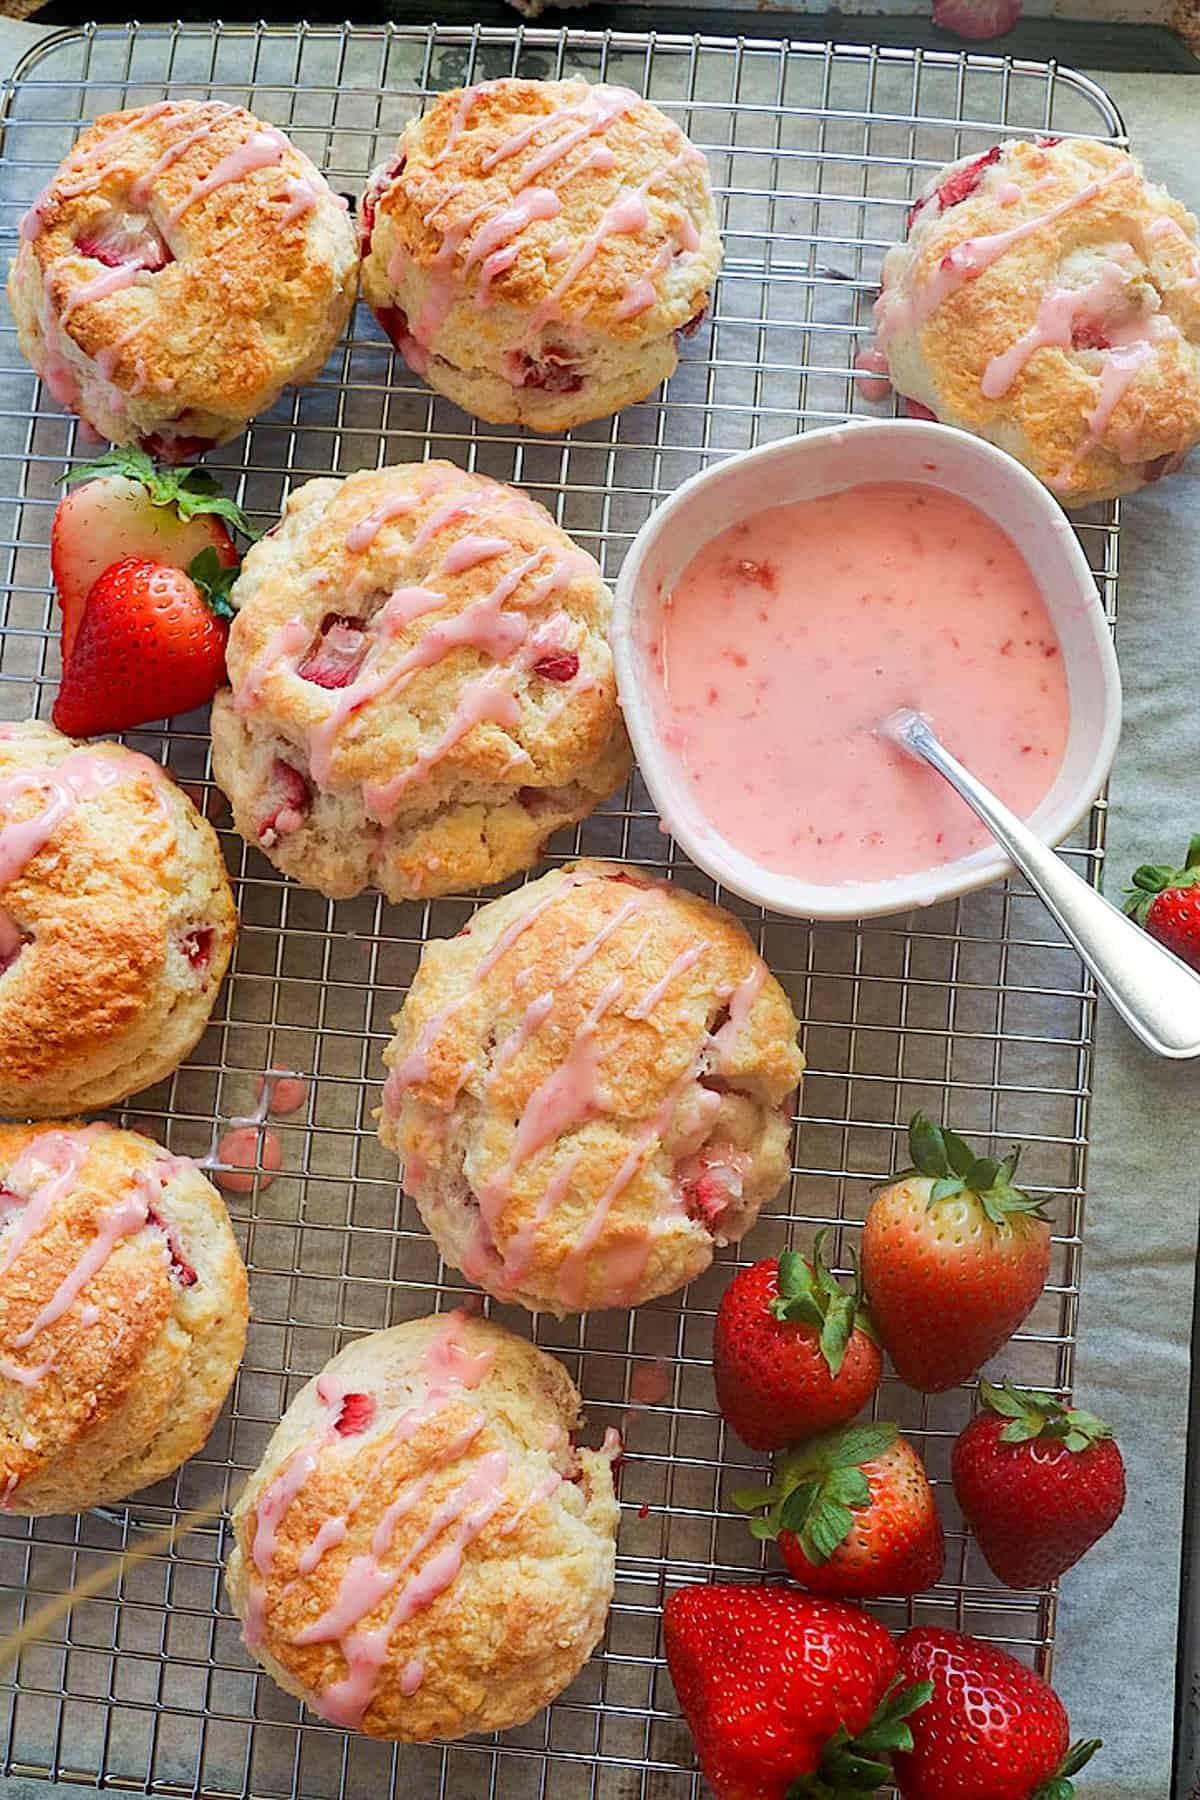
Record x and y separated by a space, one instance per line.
1167 902
151 643
1038 1483
992 1731
793 1354
130 508
977 19
780 1688
954 1258
854 1515
122 239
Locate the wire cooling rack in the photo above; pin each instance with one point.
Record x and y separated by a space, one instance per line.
974 1007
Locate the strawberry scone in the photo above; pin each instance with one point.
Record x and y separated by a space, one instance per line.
116 923
185 264
422 689
590 1089
1047 298
422 1552
123 1314
535 249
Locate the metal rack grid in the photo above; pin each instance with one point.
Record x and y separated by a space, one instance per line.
975 1005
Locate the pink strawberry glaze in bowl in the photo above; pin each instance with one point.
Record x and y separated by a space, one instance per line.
829 462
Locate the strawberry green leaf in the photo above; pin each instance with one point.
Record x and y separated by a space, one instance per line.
810 1294
927 1146
946 1187
1032 1414
861 1765
191 491
1079 1755
1060 1786
853 1445
958 1152
214 581
836 1332
1192 859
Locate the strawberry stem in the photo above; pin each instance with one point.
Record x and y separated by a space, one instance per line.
809 1294
1060 1786
819 1488
853 1766
953 1167
1150 879
1031 1415
214 581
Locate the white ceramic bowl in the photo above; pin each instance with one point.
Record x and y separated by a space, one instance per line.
823 462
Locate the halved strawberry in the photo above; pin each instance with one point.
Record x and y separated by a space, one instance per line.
121 239
126 508
150 643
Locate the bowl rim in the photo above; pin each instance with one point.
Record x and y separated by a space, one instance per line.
792 896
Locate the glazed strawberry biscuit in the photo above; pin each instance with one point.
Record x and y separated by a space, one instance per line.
116 923
183 266
421 684
535 248
122 1314
421 1552
590 1089
1048 299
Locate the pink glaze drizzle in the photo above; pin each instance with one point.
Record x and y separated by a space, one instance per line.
23 1376
463 1514
741 1001
43 1174
282 1090
289 640
594 112
142 188
261 151
1055 323
687 959
247 1154
414 1067
1118 371
301 197
79 776
371 524
567 1098
968 260
109 281
120 1221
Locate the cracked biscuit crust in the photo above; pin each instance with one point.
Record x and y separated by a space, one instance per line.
422 687
534 248
184 265
422 1552
1047 298
116 923
589 1088
123 1313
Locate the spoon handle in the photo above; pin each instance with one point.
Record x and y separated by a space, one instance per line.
1157 995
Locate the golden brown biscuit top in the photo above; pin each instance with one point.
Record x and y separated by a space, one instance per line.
385 596
168 238
569 200
415 1458
94 1258
1053 286
577 1058
90 874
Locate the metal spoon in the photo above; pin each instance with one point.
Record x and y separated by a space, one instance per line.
1157 995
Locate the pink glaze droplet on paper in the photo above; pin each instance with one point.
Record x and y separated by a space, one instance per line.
285 1090
649 1384
247 1153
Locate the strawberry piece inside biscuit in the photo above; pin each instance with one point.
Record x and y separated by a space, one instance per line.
336 656
125 240
287 802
